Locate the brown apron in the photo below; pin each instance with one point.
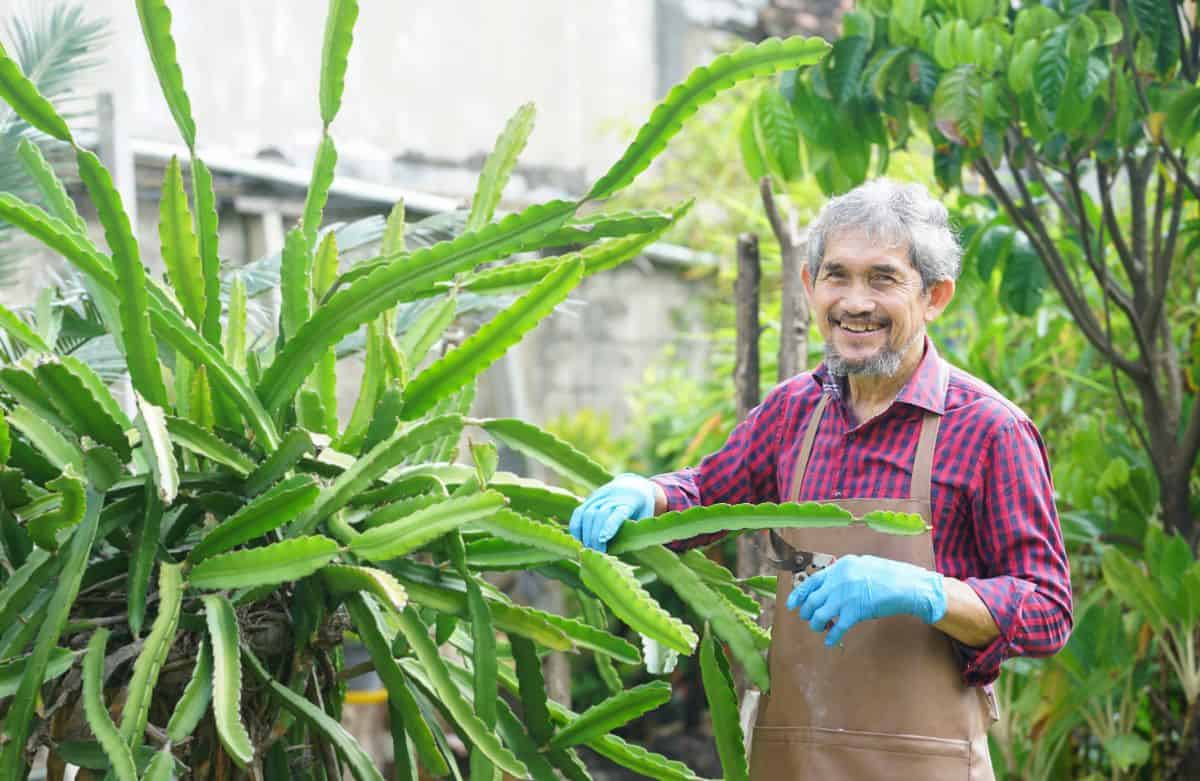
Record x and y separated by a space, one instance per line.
890 703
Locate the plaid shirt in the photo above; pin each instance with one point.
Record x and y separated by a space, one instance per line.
994 521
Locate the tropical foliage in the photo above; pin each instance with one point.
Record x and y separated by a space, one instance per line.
203 546
1073 125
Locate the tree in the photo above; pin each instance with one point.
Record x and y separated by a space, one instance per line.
229 525
1075 122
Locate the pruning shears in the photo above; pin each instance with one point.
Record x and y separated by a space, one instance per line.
801 563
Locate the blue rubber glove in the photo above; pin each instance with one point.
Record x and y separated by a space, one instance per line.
599 518
857 588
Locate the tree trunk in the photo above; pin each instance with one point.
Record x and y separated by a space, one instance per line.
751 548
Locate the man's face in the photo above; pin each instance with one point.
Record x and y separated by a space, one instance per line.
868 303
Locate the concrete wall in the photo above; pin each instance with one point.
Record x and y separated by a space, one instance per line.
435 77
432 81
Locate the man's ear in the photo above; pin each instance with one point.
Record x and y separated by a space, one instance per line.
806 278
940 295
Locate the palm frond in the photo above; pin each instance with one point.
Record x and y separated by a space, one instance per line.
54 45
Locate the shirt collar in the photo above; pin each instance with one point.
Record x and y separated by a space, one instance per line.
926 389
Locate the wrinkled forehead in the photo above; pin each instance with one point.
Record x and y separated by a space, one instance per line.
867 243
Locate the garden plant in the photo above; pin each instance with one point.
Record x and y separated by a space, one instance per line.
179 572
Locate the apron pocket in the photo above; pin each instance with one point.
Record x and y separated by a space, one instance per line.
814 752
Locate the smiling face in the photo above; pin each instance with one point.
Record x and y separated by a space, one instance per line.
869 304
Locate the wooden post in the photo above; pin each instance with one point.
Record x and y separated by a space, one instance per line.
794 314
751 548
746 293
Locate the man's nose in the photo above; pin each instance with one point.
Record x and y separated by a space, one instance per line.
858 301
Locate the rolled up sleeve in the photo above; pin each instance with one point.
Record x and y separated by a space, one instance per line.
1027 586
743 470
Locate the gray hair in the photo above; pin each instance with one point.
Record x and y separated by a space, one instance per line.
894 215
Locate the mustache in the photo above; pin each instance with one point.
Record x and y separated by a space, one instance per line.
870 322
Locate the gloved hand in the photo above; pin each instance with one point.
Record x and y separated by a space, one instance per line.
856 588
598 519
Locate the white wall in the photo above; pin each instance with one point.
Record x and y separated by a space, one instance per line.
437 77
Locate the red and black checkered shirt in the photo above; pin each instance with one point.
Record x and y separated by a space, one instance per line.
994 521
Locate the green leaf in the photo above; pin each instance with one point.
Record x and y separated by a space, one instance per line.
58 236
462 364
370 389
162 767
382 289
423 526
1127 750
318 188
180 249
44 528
427 329
204 443
607 225
146 537
359 761
17 329
1134 587
227 679
753 157
294 283
514 527
723 705
119 755
371 466
20 93
393 235
844 68
614 582
1052 68
206 235
517 277
261 515
1109 24
475 731
54 195
614 712
141 352
1024 277
532 689
64 386
345 579
281 562
156 446
436 592
682 525
958 105
711 607
484 660
547 448
155 17
193 703
296 444
1020 69
21 710
13 670
369 625
154 653
890 522
770 56
56 448
499 165
335 53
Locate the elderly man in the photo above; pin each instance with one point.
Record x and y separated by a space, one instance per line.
881 663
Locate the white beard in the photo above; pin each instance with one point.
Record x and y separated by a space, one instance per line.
884 363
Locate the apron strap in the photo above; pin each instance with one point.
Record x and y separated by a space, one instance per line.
810 435
921 486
